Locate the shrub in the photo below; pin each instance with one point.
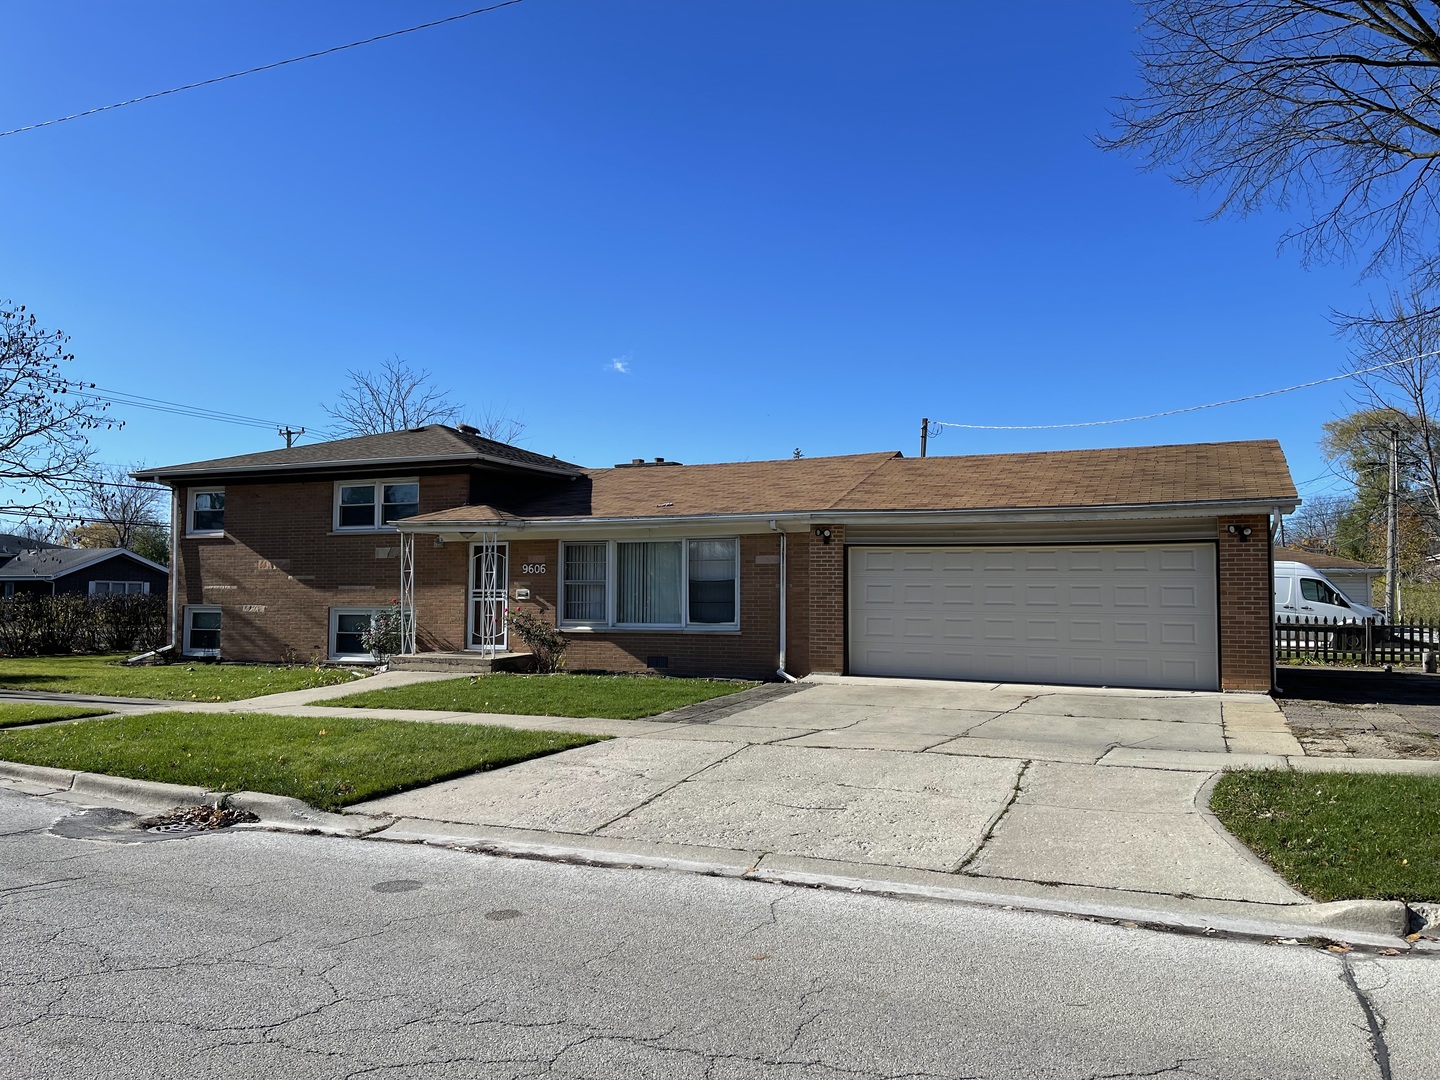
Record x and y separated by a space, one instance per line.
383 636
545 642
39 625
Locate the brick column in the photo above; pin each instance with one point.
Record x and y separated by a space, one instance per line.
827 600
1247 633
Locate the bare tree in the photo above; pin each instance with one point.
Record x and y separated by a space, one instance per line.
44 416
1329 107
115 510
1316 525
398 397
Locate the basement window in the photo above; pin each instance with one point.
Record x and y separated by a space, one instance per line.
202 631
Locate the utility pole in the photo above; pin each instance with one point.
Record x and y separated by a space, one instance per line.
288 434
924 433
1392 532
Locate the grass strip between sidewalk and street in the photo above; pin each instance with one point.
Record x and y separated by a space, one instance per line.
327 762
24 712
1339 836
180 681
608 697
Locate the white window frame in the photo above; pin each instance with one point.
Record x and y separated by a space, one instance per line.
612 597
376 523
191 495
195 609
335 613
144 589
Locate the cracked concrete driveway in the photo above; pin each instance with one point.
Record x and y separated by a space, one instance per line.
984 781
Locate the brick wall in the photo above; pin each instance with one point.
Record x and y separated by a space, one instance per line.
827 599
1246 621
280 566
751 653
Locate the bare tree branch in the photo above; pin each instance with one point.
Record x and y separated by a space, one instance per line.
1331 108
43 416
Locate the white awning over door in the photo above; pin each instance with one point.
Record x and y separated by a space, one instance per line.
1140 615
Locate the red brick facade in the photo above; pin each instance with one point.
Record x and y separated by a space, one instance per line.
281 567
1246 595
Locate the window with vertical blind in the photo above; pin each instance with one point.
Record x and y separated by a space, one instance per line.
668 584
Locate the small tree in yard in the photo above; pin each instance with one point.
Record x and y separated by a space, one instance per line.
382 638
545 642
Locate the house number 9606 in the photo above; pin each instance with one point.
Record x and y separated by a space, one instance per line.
532 568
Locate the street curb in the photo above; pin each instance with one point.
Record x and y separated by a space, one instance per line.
1372 923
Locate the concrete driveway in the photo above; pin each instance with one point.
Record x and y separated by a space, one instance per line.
1102 790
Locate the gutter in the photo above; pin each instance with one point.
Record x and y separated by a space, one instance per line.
857 517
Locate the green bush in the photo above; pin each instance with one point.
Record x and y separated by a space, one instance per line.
545 642
39 625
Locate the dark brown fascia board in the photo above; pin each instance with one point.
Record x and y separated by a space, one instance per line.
1136 511
181 472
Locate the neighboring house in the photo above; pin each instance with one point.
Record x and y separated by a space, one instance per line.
94 571
12 545
1145 567
1354 579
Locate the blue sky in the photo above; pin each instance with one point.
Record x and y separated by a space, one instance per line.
794 223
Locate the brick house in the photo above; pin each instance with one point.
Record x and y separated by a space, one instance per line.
1146 567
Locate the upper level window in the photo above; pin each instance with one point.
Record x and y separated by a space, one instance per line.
205 515
373 504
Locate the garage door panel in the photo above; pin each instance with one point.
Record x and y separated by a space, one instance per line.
1141 615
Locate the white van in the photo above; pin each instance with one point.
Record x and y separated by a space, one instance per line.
1302 592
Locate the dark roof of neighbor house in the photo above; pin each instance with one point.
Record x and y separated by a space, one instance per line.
1318 560
52 563
432 443
11 544
1202 473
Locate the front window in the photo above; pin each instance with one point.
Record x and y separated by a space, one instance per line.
119 588
206 515
653 583
374 504
202 631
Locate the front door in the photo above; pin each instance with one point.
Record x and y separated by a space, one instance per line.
489 583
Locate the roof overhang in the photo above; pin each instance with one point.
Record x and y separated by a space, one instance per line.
457 529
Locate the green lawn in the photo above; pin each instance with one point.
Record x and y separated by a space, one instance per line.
22 712
609 697
327 762
1339 836
173 682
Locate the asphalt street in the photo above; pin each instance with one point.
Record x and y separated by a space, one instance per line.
253 953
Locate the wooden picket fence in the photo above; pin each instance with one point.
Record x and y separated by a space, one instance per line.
1368 642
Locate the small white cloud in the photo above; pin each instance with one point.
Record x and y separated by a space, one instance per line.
620 364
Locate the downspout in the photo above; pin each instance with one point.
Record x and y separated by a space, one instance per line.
781 669
175 645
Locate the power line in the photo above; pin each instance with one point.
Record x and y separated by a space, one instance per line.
1190 409
262 67
136 401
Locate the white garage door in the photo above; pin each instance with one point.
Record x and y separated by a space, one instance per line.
1086 615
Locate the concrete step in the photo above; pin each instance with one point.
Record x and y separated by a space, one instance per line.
462 663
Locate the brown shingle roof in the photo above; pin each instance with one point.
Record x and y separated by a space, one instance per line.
429 443
1128 476
1133 476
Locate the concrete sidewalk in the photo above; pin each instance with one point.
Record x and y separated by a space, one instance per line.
1088 801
